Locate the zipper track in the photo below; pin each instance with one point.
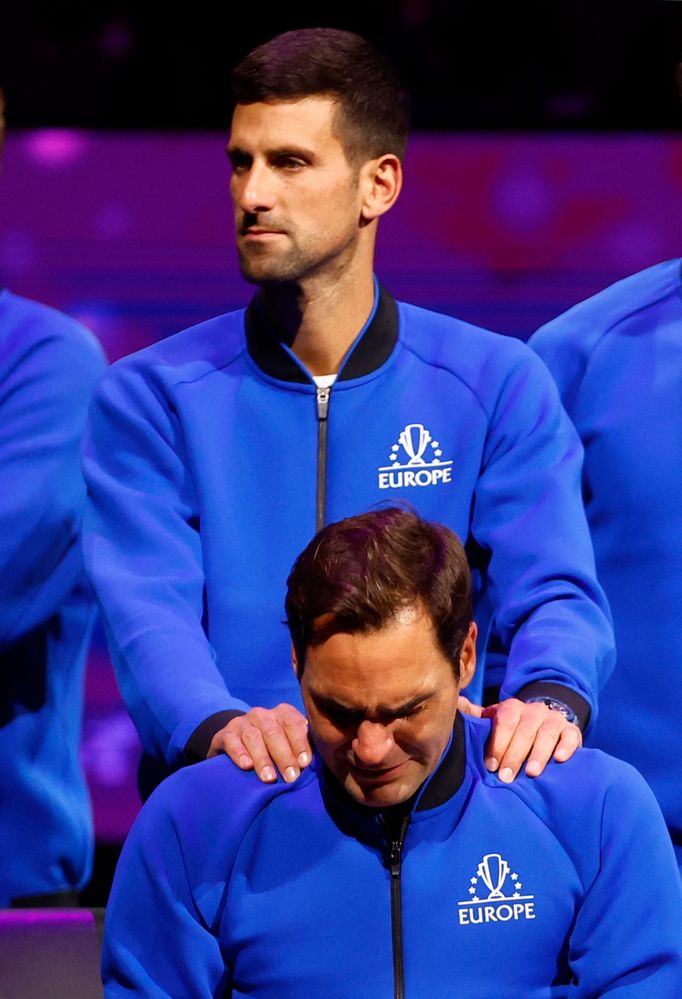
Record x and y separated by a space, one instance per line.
394 839
322 397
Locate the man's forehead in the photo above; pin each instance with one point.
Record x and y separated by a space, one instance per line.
312 116
371 701
389 665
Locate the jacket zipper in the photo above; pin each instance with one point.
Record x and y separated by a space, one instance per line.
395 838
322 395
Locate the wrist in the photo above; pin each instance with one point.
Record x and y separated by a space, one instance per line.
577 709
554 704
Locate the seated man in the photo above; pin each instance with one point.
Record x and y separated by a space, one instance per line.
397 864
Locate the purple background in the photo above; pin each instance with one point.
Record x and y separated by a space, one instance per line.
132 235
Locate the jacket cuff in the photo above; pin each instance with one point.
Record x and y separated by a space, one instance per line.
491 695
558 692
199 742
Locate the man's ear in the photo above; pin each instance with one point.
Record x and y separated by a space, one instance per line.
467 657
294 663
381 181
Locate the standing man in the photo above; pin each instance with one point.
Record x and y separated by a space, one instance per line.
214 455
617 359
49 365
397 864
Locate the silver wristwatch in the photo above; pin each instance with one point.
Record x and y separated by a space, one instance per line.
554 705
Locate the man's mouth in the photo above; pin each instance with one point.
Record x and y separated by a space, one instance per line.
378 774
258 231
253 229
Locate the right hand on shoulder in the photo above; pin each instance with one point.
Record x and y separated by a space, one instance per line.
266 740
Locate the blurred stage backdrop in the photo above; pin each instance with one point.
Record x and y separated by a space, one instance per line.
131 234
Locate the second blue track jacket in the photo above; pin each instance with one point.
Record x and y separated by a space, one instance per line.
212 458
617 359
49 365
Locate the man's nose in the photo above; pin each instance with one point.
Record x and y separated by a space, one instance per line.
372 743
253 189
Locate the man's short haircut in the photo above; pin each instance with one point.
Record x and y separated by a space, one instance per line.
358 574
373 108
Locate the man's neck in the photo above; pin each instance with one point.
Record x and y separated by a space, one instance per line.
320 322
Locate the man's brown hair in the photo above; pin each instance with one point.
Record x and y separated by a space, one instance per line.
357 574
373 108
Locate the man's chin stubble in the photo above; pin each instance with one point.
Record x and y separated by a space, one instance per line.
261 271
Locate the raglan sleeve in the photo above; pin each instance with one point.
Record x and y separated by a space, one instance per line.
565 346
627 938
143 553
161 937
550 616
50 369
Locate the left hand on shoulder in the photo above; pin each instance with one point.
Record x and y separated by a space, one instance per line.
525 731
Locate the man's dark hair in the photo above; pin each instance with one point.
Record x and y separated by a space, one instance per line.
357 574
373 108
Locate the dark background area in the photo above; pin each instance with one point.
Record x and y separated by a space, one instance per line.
469 65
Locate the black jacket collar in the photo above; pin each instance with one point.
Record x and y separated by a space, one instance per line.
369 353
450 773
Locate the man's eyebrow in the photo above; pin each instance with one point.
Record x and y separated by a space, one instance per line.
288 149
232 149
329 703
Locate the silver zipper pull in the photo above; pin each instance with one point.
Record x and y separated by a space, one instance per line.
322 402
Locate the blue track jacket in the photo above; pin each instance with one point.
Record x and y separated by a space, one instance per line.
617 359
211 458
564 886
48 367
